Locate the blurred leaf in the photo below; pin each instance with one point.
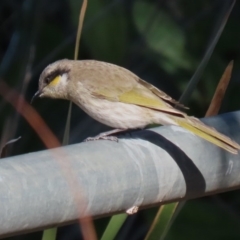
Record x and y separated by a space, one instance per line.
198 73
3 152
105 28
67 126
220 91
163 35
114 226
204 219
49 234
79 29
161 222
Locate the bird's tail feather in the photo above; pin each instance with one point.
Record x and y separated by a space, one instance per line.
208 133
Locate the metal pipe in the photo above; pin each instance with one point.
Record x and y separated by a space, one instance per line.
145 168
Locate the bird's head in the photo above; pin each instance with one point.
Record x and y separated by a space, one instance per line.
54 79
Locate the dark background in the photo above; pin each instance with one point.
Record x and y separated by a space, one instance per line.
161 41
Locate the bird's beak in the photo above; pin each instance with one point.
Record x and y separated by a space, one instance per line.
37 94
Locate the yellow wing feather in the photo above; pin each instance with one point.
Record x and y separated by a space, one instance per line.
138 98
210 134
160 93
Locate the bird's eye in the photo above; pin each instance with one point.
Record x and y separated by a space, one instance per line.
47 80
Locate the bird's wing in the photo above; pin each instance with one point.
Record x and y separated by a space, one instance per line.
161 94
115 83
138 96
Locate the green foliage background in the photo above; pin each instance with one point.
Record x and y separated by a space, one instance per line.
161 41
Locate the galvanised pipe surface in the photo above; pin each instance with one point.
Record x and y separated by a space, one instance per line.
148 167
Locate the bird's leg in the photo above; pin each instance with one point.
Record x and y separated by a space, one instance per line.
106 135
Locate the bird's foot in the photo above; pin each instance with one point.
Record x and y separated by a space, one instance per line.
110 138
106 136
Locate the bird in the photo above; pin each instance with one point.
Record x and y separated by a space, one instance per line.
120 99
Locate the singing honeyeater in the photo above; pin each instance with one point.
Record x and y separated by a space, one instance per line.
118 98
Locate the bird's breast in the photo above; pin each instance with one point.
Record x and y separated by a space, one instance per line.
115 114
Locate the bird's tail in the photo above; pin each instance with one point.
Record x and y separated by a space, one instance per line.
208 133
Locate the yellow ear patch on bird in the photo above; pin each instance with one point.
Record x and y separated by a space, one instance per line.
55 81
